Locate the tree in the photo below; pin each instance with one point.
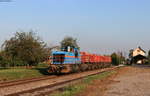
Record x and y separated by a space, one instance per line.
69 41
25 48
117 58
131 55
4 60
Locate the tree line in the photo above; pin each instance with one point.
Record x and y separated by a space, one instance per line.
28 49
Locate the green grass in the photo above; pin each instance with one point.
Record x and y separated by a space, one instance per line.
74 89
21 73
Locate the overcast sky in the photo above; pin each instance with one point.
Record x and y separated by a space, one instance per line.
101 26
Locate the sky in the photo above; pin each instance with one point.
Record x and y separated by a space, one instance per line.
100 26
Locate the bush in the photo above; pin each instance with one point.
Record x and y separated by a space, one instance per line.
25 48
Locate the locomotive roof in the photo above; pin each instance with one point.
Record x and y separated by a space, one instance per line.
62 52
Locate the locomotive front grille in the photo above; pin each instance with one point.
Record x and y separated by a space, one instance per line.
58 58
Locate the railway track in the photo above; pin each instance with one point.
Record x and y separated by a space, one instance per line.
57 83
24 81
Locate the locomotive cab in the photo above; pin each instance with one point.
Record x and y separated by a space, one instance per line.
66 56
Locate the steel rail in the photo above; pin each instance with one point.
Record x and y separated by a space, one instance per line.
24 81
56 85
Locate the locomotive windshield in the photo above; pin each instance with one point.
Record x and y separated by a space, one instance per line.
58 58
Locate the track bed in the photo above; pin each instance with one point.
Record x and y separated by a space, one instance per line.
49 84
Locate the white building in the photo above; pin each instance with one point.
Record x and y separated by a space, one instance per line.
139 51
138 56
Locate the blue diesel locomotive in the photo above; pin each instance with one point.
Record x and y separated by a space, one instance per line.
65 61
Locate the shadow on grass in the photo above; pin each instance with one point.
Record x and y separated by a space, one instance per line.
2 68
43 71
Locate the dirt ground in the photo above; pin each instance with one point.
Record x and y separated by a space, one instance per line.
128 81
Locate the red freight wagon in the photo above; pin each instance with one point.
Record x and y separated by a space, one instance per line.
96 59
105 59
92 58
100 58
84 57
109 59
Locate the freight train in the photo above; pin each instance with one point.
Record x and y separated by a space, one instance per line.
70 60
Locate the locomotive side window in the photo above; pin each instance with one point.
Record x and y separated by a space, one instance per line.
76 54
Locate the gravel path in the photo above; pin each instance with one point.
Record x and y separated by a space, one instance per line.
128 81
135 81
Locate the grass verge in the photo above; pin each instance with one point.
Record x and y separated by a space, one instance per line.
21 73
74 89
